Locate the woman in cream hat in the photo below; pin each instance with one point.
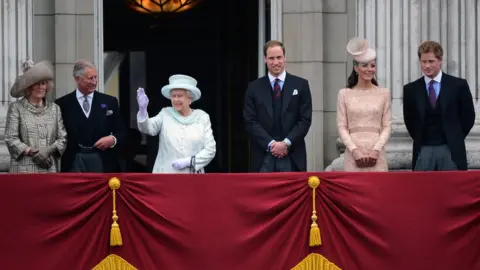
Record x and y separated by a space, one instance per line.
364 113
34 133
186 138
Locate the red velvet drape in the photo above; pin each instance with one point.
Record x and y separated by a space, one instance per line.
368 221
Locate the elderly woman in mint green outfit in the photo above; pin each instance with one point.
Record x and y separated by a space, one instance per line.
186 138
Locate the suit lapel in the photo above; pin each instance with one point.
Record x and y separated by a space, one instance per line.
421 96
266 96
97 107
445 85
287 93
75 105
98 110
76 111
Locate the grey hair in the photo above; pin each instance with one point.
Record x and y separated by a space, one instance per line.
80 66
188 92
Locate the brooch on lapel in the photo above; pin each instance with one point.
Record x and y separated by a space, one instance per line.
103 106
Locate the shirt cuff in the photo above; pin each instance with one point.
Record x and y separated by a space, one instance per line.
269 144
115 141
141 117
287 142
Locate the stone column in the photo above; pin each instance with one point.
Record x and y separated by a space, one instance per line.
303 38
95 12
339 26
397 28
16 46
75 31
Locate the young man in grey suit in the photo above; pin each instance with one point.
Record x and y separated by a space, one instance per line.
438 113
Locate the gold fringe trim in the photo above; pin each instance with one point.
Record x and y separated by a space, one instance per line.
315 261
115 235
114 262
315 237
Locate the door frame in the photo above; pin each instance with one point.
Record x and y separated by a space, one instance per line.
98 48
276 28
261 36
276 20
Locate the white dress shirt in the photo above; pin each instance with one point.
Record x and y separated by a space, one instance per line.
436 85
281 78
81 98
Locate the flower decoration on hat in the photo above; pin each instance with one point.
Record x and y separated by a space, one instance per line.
361 51
33 73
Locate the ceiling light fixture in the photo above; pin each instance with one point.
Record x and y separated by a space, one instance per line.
162 6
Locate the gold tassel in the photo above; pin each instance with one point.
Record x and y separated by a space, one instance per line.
115 235
315 238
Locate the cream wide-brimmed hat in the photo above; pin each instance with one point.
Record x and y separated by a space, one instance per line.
360 50
32 74
182 82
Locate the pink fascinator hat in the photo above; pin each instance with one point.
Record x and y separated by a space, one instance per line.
360 50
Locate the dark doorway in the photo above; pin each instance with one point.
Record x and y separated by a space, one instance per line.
214 42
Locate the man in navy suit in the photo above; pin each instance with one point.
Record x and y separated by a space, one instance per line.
277 115
438 112
95 130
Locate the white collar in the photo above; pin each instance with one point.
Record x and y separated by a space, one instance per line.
437 78
80 95
281 77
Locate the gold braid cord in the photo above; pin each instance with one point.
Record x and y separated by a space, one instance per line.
114 262
315 261
115 235
315 238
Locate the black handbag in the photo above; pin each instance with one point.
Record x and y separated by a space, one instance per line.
192 165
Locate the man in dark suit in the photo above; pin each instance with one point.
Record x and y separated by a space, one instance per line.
438 112
278 114
95 130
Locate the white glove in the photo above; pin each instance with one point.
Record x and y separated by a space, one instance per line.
142 100
181 164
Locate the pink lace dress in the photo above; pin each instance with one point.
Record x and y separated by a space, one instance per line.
364 121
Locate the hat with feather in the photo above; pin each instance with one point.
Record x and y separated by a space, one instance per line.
32 74
360 50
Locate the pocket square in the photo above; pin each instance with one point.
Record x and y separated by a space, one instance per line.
109 112
295 92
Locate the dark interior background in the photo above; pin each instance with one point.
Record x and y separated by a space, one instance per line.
215 42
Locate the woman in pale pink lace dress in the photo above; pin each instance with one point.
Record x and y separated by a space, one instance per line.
364 113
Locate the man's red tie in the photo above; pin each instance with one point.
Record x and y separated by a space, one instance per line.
276 88
432 97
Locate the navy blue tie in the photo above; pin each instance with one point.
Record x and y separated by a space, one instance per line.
432 97
276 88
